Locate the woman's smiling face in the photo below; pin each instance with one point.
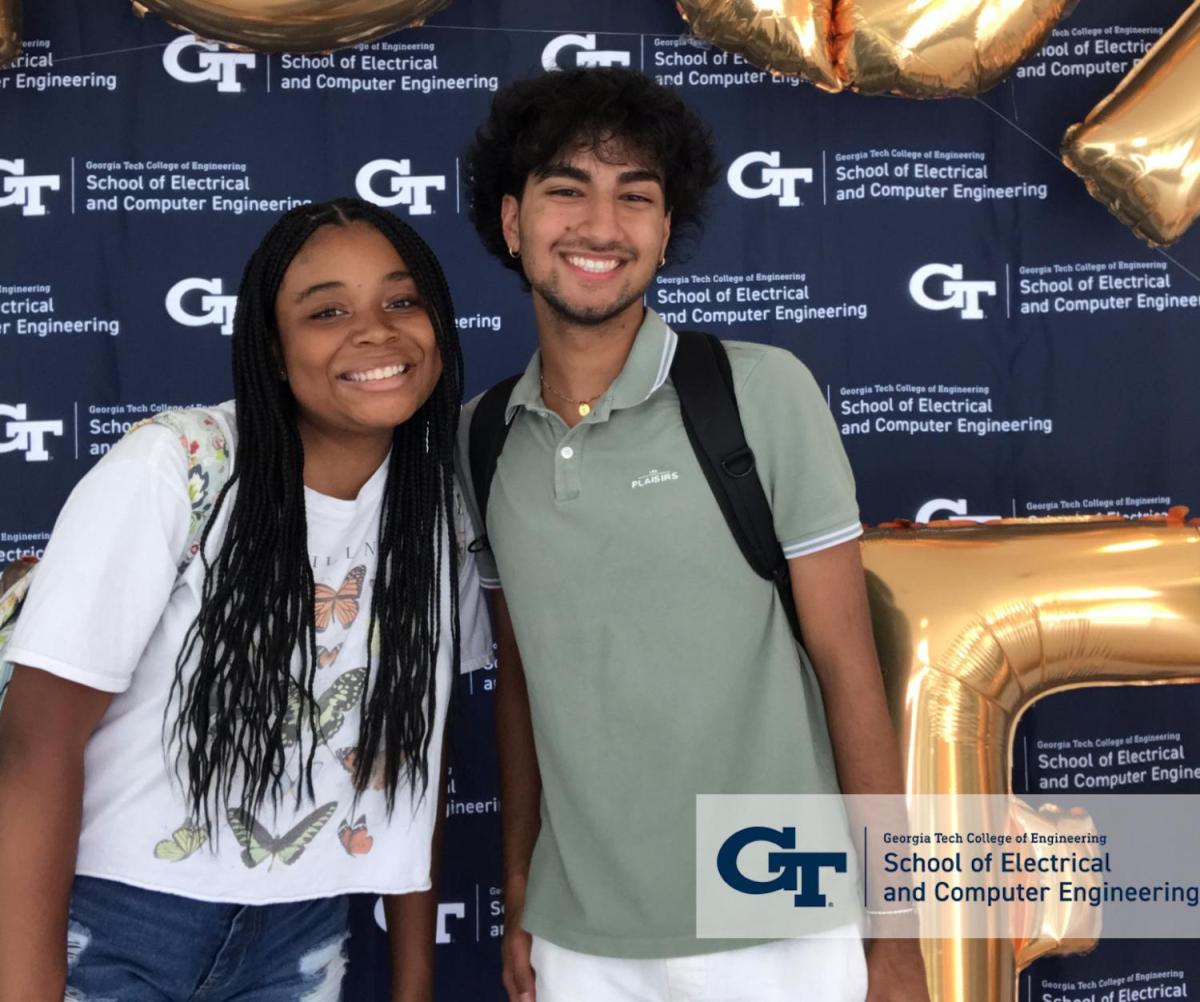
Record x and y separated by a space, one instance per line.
356 343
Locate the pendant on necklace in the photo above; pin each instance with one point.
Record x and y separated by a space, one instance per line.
584 410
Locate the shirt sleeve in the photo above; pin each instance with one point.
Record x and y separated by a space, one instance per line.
110 566
489 576
474 623
798 451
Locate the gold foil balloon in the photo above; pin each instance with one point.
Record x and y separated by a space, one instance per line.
783 36
936 48
291 25
1055 926
974 623
10 31
914 48
1139 149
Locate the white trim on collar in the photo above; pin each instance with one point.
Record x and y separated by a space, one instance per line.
670 343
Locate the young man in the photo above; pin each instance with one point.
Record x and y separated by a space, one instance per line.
642 662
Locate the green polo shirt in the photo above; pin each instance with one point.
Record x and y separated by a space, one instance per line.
659 665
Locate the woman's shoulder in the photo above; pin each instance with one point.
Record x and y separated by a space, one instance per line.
173 442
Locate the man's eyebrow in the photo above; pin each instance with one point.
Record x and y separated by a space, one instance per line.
564 170
640 174
312 290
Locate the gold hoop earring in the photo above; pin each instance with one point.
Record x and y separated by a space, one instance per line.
513 253
662 261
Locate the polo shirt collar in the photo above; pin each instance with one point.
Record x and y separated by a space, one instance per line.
645 370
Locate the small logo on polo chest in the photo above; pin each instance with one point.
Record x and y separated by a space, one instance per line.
653 477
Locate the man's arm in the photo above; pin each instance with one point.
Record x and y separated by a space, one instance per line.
831 602
520 800
44 727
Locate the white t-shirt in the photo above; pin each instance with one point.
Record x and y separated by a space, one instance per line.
107 610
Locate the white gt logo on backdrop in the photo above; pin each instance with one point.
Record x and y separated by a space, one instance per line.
406 189
956 294
24 189
218 308
214 65
778 182
586 53
445 912
25 436
948 508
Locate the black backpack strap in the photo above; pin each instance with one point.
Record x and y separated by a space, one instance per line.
484 445
703 379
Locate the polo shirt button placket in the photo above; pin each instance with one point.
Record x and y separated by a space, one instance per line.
566 472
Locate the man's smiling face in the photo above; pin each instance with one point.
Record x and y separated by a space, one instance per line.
591 229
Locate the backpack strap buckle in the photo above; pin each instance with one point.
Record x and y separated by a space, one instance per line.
739 463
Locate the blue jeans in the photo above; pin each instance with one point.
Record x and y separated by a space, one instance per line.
130 945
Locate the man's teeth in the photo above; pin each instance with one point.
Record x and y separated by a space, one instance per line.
372 374
592 264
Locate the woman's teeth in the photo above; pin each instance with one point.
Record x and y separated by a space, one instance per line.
596 267
370 375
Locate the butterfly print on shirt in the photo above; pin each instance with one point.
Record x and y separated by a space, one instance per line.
258 844
341 604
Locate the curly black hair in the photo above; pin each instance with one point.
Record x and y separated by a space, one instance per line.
532 122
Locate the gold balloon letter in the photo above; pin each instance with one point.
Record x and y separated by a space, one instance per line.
1138 151
783 36
292 25
935 48
976 623
914 48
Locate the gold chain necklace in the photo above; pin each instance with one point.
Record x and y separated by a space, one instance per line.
585 406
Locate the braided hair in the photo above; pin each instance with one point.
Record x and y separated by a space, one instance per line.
243 706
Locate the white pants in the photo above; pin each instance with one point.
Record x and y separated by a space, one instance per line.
793 970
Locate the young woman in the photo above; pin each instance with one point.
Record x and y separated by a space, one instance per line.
199 758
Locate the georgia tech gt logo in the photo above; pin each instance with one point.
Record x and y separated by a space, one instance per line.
949 508
24 189
778 182
797 870
25 436
405 188
586 53
212 63
956 294
218 308
446 911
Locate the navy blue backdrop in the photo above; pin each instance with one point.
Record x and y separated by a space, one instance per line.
992 342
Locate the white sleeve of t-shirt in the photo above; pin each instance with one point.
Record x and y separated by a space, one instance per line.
474 623
110 566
